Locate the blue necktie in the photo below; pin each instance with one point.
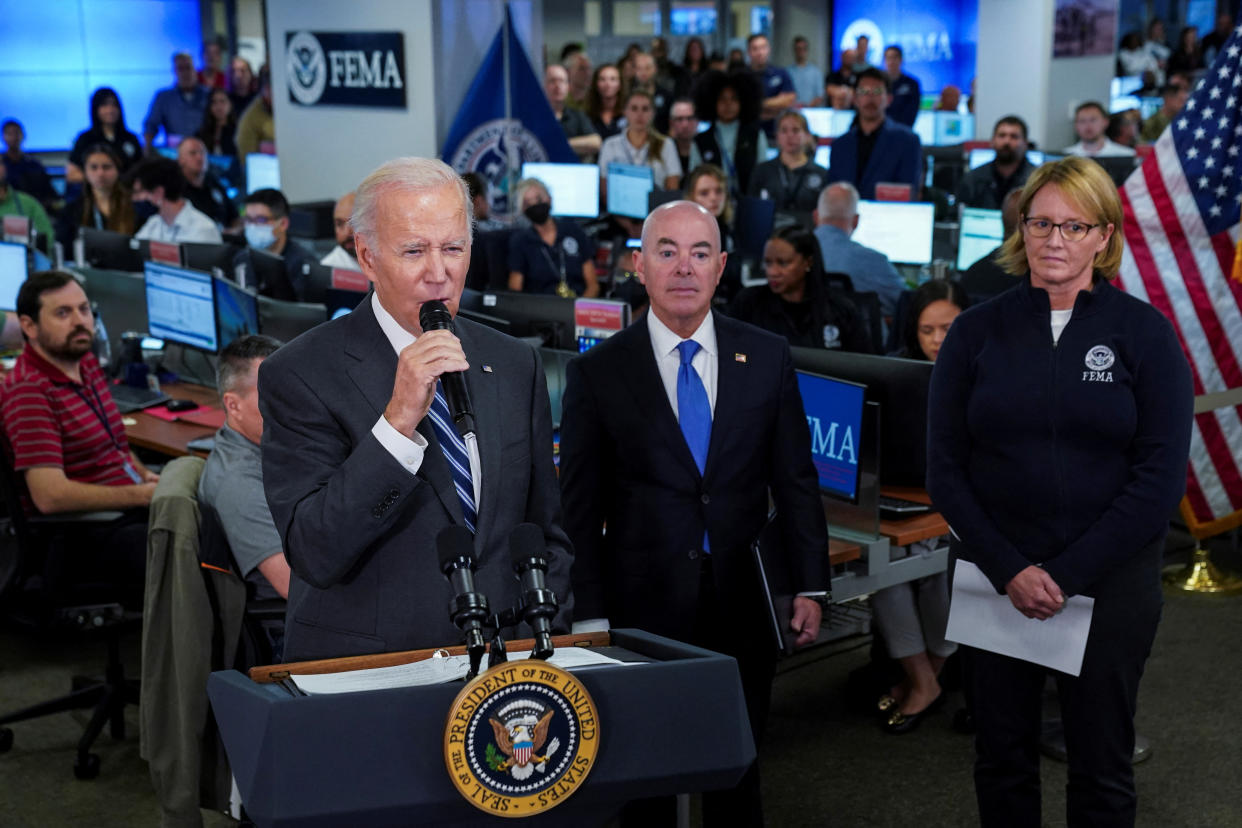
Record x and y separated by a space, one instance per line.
456 454
694 412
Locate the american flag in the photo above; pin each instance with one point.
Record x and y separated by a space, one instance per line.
1181 224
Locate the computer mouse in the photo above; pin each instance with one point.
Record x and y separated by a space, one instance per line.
181 405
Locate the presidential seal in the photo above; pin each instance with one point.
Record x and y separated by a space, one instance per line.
521 738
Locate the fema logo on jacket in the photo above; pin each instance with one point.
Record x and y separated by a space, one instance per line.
1099 359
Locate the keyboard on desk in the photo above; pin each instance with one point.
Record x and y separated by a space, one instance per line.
128 398
897 508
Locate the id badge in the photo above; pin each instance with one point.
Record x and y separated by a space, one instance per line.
131 471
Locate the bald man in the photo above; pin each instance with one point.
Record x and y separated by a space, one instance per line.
673 433
344 254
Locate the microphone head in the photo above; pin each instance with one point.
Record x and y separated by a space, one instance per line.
526 541
455 545
434 316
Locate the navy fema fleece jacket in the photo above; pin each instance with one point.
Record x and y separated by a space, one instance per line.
1070 456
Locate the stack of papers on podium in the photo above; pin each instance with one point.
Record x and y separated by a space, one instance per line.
979 617
431 671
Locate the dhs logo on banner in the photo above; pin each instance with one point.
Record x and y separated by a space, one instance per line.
487 148
346 68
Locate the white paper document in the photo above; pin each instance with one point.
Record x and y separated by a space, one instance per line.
979 617
431 671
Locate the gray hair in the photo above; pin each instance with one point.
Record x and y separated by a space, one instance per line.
838 208
409 174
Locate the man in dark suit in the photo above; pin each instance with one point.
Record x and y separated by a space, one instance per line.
877 149
673 433
361 463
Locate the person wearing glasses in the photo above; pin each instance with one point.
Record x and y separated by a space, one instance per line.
1058 437
877 149
265 221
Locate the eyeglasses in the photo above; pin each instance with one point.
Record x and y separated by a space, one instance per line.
1071 231
870 91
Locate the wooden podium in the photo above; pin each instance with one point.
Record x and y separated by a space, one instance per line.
673 722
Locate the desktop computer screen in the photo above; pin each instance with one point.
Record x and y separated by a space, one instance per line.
574 187
900 230
181 306
13 271
823 156
628 187
834 412
925 127
828 123
237 311
953 128
262 172
981 232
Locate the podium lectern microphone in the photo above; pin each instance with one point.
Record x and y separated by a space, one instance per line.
529 552
468 609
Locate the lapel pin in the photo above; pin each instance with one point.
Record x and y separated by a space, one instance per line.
487 369
739 357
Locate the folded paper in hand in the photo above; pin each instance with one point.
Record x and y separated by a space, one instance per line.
979 617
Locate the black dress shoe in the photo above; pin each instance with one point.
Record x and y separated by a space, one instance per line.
900 722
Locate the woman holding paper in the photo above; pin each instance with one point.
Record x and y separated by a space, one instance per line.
1059 429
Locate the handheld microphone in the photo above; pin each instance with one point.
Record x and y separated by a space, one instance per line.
528 550
434 316
468 608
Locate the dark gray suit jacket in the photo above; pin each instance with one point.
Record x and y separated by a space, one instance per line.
359 530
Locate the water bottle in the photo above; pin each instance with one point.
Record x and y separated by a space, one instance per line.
101 347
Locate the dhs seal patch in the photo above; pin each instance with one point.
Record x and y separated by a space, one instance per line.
1099 358
306 68
521 738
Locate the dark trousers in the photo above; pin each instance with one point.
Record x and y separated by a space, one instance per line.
742 805
1097 709
104 562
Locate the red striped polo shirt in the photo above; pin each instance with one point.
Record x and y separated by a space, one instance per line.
50 420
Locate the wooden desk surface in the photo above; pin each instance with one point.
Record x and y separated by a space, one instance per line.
912 529
170 438
840 551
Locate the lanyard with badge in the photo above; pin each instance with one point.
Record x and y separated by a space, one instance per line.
562 288
95 404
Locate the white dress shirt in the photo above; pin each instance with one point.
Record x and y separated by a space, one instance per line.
706 361
190 225
408 450
339 257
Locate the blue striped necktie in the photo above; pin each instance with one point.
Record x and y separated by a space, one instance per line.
456 454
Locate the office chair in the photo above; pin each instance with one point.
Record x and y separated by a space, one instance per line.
868 304
38 596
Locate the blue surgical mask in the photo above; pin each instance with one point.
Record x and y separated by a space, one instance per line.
260 236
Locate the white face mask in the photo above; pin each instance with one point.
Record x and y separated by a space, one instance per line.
260 235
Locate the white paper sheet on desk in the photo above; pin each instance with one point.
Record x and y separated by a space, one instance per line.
431 671
978 617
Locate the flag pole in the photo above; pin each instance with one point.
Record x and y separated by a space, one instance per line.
511 156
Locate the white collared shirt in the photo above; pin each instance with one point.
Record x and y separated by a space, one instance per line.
190 225
408 450
706 361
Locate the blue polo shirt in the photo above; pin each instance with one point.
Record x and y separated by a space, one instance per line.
177 112
906 98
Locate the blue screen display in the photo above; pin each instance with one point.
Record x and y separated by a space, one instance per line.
834 415
237 311
937 37
53 55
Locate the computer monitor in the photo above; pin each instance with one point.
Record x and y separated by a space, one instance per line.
985 155
834 414
1118 167
753 226
237 311
267 275
900 387
551 318
824 122
823 156
181 306
111 251
340 302
981 231
900 230
628 188
953 128
13 271
209 258
262 172
574 187
925 127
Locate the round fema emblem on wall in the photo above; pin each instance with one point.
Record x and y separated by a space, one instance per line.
521 738
1099 358
306 68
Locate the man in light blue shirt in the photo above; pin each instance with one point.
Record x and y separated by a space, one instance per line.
807 78
178 110
868 269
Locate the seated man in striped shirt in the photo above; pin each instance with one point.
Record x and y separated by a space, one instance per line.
64 432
